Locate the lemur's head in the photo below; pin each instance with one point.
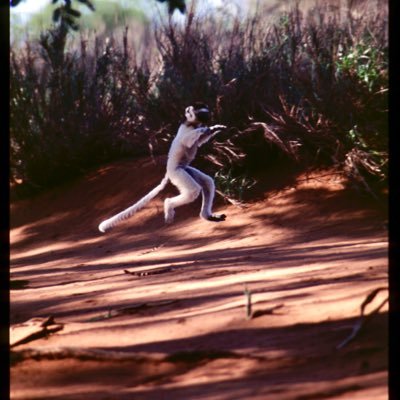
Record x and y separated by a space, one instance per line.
199 112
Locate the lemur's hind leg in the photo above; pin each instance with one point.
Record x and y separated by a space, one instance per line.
189 190
208 193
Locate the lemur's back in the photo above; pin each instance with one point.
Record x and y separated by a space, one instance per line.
179 154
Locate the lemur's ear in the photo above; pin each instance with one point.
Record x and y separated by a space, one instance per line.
190 114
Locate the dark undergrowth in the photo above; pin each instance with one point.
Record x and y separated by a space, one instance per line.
306 90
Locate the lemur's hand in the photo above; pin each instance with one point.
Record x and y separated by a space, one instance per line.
210 132
217 128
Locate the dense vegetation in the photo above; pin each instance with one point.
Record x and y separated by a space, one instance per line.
307 89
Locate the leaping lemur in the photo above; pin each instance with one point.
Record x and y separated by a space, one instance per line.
191 134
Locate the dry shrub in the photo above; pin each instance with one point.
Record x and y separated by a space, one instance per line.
310 89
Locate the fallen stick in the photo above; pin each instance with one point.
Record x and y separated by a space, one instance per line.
133 309
363 319
33 329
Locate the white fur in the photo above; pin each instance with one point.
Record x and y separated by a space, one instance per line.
116 219
189 181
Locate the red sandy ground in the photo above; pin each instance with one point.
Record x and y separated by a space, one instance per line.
309 253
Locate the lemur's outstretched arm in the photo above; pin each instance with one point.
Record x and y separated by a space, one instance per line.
210 133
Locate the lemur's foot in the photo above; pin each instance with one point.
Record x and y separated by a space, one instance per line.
217 217
169 213
169 218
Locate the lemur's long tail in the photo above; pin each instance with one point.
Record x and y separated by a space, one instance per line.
116 219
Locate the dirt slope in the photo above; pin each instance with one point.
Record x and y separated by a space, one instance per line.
309 254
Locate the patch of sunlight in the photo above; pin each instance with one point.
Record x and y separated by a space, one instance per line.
56 246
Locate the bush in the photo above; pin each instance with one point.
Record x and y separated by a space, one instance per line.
310 88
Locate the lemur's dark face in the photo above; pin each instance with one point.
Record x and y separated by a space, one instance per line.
203 115
199 112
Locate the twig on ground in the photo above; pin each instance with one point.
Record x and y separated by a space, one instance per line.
363 319
155 248
247 294
135 308
33 329
153 271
